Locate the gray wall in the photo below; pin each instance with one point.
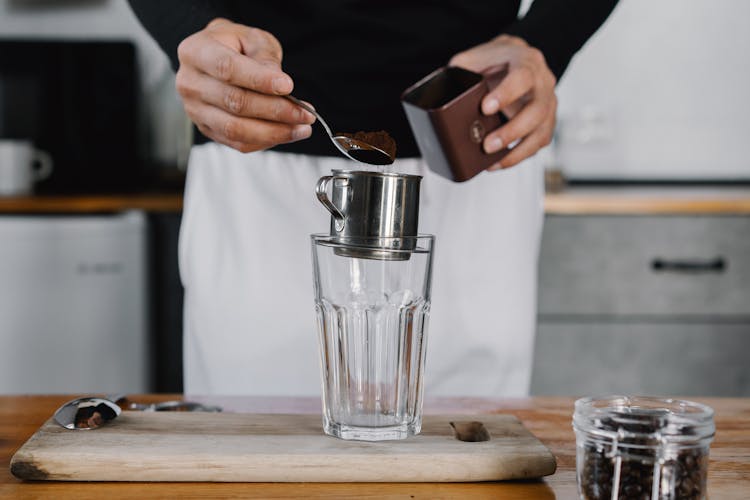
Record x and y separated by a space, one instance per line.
660 92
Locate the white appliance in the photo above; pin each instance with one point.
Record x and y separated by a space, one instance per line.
661 92
73 304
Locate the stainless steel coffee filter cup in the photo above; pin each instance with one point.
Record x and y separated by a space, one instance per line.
374 215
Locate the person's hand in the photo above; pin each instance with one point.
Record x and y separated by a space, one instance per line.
230 80
526 96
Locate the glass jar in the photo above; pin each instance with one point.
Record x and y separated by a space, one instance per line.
642 447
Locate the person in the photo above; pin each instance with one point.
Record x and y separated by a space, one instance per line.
249 205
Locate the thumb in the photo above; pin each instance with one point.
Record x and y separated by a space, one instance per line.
262 46
473 59
258 44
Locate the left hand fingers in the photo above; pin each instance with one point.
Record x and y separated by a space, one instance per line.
529 74
518 83
530 144
532 117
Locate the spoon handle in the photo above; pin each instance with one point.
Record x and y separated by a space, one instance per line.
310 109
116 397
333 138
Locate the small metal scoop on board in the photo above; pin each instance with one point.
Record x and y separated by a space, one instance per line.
89 413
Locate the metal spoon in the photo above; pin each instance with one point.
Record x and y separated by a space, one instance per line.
174 406
86 413
91 412
352 148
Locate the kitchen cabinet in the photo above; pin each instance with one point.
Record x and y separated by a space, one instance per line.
642 357
88 276
644 304
73 303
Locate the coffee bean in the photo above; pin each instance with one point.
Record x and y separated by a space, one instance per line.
683 475
632 490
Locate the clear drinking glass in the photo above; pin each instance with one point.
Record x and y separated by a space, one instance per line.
372 314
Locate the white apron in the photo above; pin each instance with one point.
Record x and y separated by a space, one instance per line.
245 262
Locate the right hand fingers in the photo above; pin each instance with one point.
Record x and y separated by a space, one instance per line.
243 134
238 101
239 55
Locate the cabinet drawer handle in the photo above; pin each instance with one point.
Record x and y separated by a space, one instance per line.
715 265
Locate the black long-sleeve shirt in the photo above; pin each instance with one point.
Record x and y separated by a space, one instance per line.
353 58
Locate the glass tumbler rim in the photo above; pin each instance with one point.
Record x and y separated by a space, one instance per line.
420 236
392 244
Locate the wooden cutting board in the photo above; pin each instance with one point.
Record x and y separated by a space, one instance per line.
236 447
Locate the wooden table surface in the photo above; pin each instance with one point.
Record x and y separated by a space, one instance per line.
548 418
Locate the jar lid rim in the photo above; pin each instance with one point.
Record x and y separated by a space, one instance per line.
633 418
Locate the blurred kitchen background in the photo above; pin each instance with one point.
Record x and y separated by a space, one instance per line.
644 280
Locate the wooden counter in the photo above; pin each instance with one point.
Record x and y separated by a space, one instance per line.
548 418
571 201
159 202
662 200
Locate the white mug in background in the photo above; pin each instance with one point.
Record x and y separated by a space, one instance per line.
21 165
